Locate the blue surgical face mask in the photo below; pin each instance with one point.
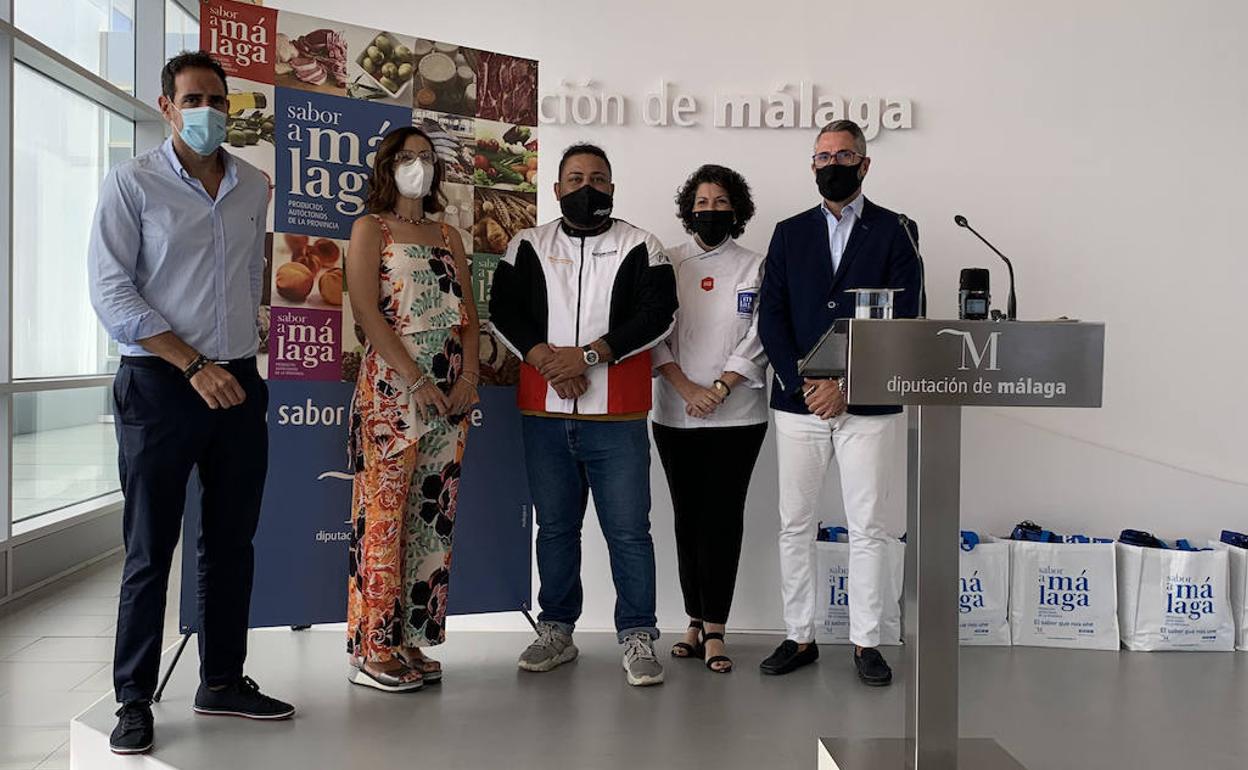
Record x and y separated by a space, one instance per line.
203 129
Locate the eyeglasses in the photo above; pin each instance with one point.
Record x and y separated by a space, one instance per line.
842 158
403 157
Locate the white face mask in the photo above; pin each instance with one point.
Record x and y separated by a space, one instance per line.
414 179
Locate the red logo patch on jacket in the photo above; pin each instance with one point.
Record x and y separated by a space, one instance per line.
708 283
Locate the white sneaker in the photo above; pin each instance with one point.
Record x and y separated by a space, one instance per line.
640 663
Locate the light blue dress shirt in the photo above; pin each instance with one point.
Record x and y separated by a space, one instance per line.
840 229
164 256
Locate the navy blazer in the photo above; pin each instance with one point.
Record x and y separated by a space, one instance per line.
800 297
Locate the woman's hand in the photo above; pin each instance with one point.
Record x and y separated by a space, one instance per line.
462 397
699 401
430 401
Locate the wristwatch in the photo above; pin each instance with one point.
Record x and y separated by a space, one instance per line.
591 356
722 388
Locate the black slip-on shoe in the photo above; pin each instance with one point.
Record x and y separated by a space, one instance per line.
135 726
873 670
789 657
241 699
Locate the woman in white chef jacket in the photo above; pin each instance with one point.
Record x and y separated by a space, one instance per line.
710 407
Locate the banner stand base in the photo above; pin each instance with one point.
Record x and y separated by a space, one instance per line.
890 754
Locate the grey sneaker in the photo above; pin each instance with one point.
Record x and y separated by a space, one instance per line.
640 663
552 648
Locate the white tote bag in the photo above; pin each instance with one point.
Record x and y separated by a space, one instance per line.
1238 559
832 576
1063 595
832 597
983 591
1175 600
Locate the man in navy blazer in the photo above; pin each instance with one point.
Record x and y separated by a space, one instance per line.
815 258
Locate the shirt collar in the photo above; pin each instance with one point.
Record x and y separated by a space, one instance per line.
721 248
572 232
852 209
175 164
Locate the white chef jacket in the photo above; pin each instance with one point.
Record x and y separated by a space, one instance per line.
716 332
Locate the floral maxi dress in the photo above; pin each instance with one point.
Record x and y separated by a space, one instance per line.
406 466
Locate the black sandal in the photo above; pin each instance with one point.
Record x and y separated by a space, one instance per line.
710 663
686 650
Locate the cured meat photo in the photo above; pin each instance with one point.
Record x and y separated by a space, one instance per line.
507 89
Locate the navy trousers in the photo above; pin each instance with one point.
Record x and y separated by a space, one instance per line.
164 432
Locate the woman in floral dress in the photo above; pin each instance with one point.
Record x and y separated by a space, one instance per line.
411 293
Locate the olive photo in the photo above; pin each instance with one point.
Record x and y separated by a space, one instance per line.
380 67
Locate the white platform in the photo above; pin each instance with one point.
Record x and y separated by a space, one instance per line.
1050 709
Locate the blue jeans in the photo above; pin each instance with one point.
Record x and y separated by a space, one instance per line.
567 460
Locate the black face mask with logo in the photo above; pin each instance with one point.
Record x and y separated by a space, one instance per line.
838 183
712 227
586 208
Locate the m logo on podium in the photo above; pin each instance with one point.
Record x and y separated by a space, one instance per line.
976 354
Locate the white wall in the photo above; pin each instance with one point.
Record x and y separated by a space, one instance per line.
1100 144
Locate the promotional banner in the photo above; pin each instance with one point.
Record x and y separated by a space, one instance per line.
310 100
301 544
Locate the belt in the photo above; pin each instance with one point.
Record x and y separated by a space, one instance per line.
160 364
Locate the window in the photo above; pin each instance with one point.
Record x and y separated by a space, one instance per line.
64 450
63 144
181 30
74 116
95 34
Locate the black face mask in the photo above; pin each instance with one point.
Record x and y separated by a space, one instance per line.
586 208
838 183
713 227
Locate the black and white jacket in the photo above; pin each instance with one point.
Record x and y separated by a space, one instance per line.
568 288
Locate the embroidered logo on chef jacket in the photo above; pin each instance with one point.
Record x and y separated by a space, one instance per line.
558 260
708 283
610 253
746 299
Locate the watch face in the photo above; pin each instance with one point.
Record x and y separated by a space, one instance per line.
591 357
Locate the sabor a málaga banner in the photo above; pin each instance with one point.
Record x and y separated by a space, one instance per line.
310 101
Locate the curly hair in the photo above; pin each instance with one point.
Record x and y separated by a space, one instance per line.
733 183
383 193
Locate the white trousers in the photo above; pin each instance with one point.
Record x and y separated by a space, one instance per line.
863 449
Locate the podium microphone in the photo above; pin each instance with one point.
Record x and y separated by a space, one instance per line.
1011 308
904 221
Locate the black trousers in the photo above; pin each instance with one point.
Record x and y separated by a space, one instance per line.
708 472
164 430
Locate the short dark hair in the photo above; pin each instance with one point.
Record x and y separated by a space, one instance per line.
584 148
383 192
185 61
733 183
848 127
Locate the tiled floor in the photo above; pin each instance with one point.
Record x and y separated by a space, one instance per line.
53 469
56 648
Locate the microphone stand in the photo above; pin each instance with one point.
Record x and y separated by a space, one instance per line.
1011 307
904 221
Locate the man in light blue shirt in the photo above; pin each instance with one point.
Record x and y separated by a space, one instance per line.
841 225
176 269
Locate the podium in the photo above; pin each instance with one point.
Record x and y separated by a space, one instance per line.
935 368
